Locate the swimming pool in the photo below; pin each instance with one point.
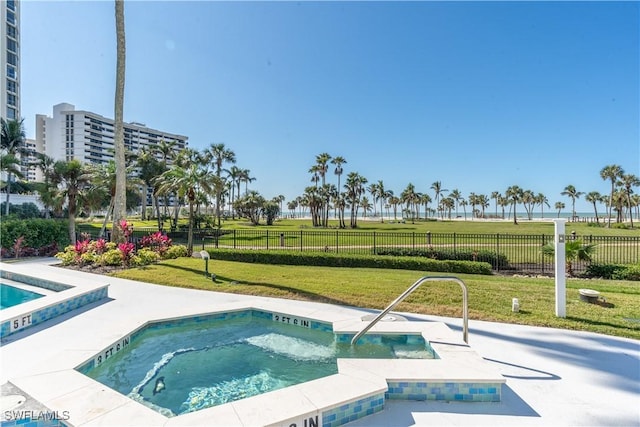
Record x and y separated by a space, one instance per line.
10 296
181 366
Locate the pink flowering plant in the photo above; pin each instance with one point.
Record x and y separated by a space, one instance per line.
100 252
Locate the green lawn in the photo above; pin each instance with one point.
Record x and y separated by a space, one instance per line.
489 296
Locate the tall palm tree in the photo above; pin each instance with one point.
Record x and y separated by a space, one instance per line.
354 186
234 175
542 200
186 182
628 181
120 204
612 173
425 199
338 161
495 195
559 206
514 193
410 197
167 150
382 197
528 200
438 190
594 197
220 155
573 194
456 196
483 202
12 146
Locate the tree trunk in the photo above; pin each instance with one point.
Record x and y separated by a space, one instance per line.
119 210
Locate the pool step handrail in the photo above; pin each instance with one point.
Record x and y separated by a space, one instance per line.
465 305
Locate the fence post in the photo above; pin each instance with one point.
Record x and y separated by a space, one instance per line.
497 251
374 242
301 247
234 239
454 243
428 238
337 241
542 253
267 239
413 240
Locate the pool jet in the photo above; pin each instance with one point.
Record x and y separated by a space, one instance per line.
159 386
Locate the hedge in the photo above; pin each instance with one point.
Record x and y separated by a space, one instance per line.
614 271
493 258
344 260
37 233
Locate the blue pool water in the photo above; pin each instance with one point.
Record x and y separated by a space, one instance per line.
176 369
10 296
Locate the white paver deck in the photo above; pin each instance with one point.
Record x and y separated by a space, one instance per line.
554 377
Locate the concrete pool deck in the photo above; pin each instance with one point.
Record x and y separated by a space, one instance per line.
554 377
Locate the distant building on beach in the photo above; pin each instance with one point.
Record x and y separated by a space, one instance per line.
87 136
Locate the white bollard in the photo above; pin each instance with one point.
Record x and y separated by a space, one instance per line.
515 305
560 267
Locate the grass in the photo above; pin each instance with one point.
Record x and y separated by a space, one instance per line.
462 227
489 296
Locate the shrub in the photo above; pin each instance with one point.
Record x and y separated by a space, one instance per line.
493 258
614 271
175 251
342 260
145 256
37 233
111 257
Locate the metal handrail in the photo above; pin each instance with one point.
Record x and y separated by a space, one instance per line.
465 305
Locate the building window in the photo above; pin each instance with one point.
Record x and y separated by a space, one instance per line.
11 17
11 86
12 45
11 100
12 58
11 5
11 31
11 71
11 113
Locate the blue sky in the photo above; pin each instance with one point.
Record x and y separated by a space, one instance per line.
477 95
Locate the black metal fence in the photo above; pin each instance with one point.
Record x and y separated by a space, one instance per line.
522 252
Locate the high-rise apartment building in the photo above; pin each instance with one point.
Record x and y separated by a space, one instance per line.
88 137
10 58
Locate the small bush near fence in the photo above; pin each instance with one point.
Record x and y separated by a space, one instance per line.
496 260
344 260
613 271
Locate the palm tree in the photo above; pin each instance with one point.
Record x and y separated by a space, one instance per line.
220 155
12 146
234 175
574 250
464 204
495 195
559 206
594 197
394 201
612 173
120 203
338 161
438 190
187 182
514 193
628 181
425 199
573 194
355 188
366 206
410 198
542 200
473 201
382 196
73 177
483 202
456 196
528 200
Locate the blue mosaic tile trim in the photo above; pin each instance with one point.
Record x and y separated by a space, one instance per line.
464 392
165 324
28 422
34 281
352 411
63 307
